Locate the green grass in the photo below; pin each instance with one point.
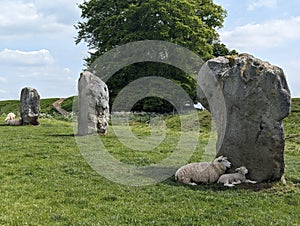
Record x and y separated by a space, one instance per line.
44 180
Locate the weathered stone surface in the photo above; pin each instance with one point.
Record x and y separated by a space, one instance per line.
257 99
93 105
30 106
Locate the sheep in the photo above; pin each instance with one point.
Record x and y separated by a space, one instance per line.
15 122
10 116
202 172
232 179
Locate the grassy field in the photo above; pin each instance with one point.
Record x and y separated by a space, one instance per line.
44 180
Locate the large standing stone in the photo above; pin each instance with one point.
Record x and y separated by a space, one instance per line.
257 99
30 106
93 106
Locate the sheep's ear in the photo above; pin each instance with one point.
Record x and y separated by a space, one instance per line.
237 169
220 158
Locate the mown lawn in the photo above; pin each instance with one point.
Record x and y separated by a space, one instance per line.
44 180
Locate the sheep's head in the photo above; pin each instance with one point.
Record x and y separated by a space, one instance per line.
223 160
243 170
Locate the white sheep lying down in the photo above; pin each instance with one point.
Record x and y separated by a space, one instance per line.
232 179
202 172
15 122
10 116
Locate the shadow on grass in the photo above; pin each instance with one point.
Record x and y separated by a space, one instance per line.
10 125
201 187
219 187
61 135
72 135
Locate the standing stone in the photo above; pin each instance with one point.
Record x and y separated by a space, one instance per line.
257 99
30 106
93 106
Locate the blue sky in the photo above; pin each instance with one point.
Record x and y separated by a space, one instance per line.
37 42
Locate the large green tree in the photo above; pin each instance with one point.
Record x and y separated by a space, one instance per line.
192 24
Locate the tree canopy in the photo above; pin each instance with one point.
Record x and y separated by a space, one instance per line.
193 24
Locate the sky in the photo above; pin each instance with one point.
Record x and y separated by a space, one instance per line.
37 46
267 29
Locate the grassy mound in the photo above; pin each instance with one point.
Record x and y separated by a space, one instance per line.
9 106
14 106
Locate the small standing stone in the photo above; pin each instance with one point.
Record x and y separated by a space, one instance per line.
30 106
257 99
93 100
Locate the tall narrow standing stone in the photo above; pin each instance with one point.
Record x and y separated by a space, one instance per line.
93 97
257 99
30 106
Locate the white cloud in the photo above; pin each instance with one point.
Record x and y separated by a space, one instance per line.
3 80
19 19
22 58
65 14
67 71
50 81
261 3
36 69
262 36
12 13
